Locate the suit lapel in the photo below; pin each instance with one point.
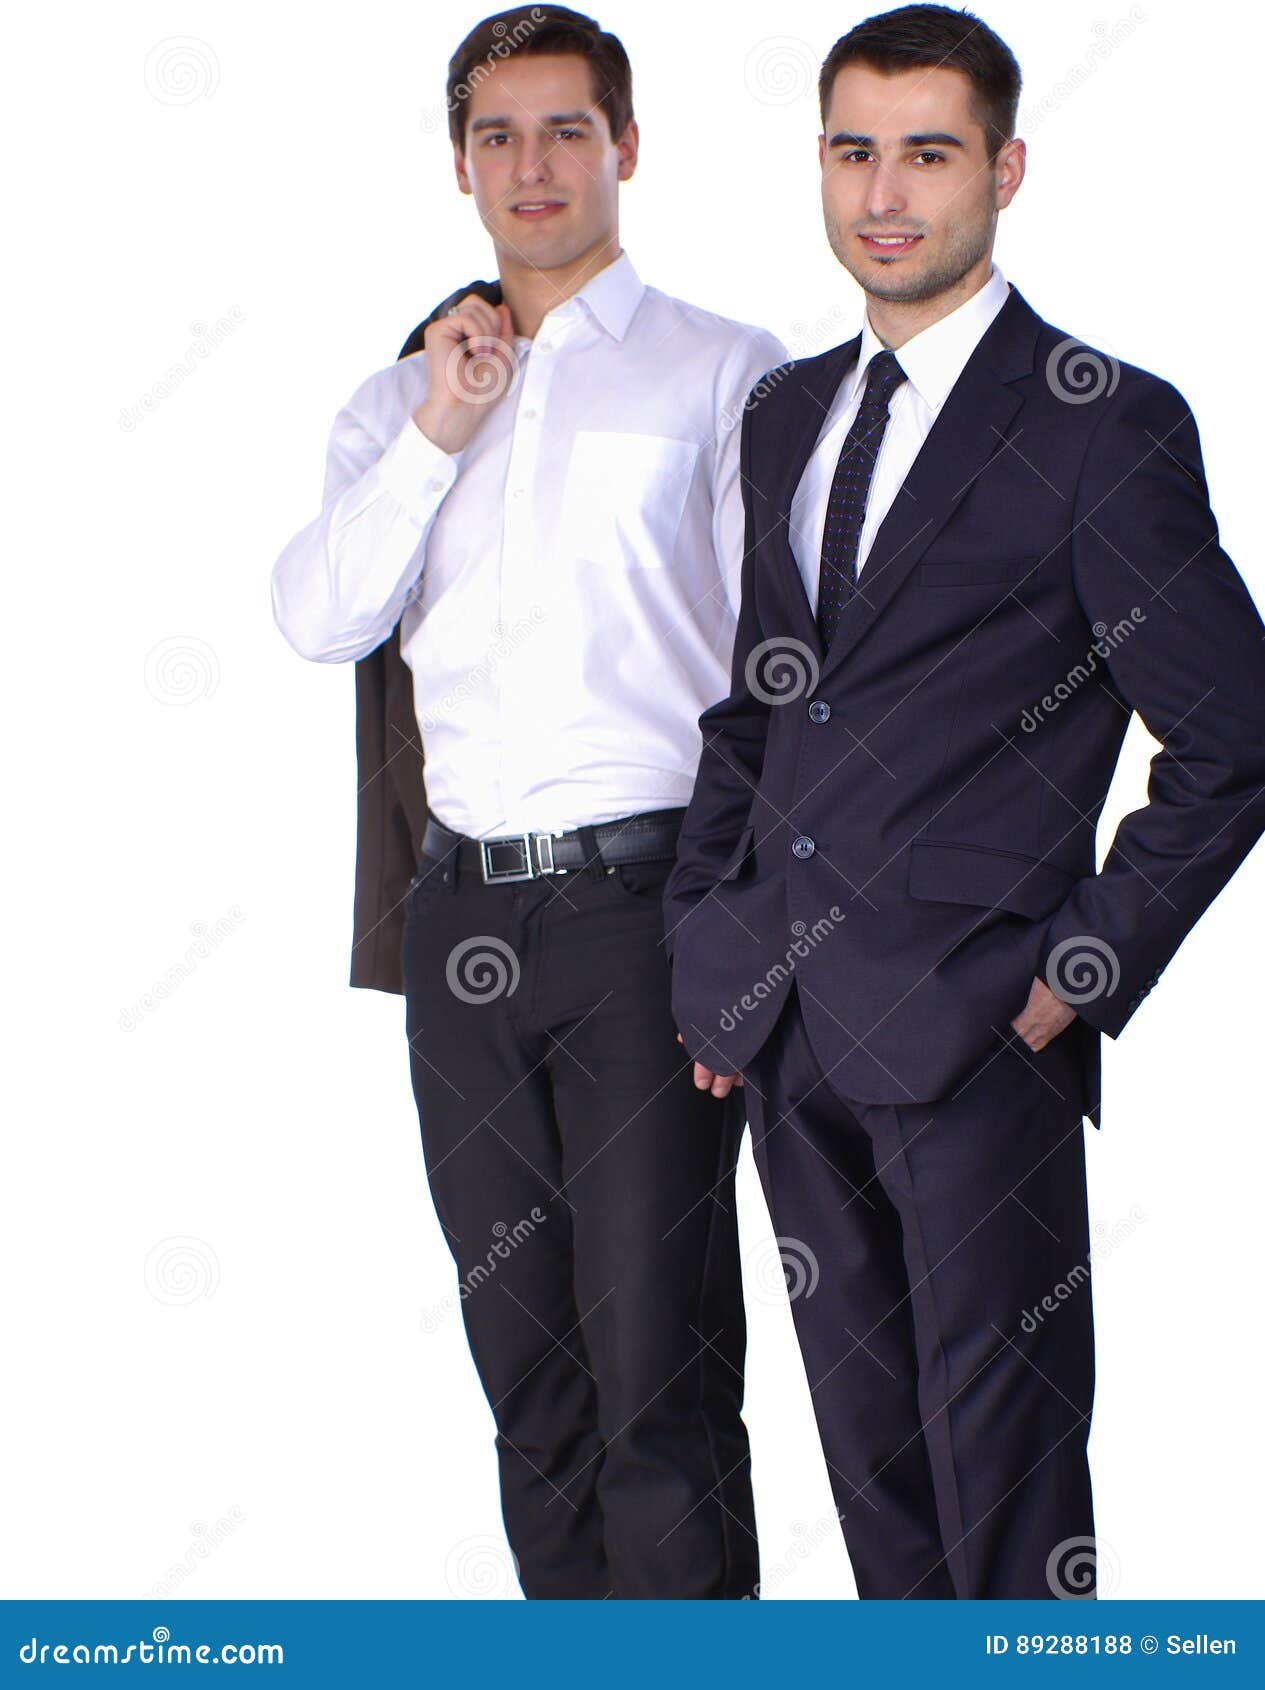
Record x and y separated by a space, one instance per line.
963 439
966 435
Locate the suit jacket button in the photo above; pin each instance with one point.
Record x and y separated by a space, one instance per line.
803 847
819 711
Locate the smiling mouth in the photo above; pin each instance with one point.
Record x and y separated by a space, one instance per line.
536 208
888 245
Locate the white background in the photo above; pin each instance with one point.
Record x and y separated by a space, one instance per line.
256 1409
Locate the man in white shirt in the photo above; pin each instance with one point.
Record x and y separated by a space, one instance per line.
544 506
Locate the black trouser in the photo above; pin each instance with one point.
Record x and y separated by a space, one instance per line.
586 1190
938 1259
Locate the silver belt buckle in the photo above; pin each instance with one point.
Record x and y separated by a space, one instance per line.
526 868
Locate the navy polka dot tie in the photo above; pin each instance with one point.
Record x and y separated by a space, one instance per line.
845 511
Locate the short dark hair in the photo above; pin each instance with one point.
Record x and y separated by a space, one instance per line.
541 29
916 36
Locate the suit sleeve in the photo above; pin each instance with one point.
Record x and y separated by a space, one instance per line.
1145 541
734 733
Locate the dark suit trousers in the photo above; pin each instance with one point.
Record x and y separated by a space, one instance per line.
938 1261
559 1121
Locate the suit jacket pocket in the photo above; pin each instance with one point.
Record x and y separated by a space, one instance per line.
742 858
977 874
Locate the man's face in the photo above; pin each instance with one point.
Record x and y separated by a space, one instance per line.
540 161
909 196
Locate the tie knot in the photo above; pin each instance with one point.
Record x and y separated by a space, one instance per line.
882 378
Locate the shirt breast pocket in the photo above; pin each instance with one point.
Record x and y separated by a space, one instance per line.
623 498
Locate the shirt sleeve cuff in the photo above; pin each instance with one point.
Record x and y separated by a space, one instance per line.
415 471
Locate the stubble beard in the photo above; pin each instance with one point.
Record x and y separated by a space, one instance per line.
901 283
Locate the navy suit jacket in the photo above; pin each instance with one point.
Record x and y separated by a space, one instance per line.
905 825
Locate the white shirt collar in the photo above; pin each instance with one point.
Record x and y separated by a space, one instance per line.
935 357
611 296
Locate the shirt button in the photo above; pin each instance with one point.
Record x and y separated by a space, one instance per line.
436 486
518 492
529 416
819 711
803 847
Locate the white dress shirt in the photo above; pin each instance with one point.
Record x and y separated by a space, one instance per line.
567 585
932 361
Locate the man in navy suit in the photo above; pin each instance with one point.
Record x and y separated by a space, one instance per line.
974 546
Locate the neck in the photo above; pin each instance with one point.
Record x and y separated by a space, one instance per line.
895 321
532 293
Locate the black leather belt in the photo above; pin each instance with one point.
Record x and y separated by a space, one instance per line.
526 856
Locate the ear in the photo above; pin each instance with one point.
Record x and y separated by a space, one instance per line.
821 152
459 165
1008 171
628 147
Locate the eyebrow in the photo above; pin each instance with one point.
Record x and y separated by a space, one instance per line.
936 139
572 119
